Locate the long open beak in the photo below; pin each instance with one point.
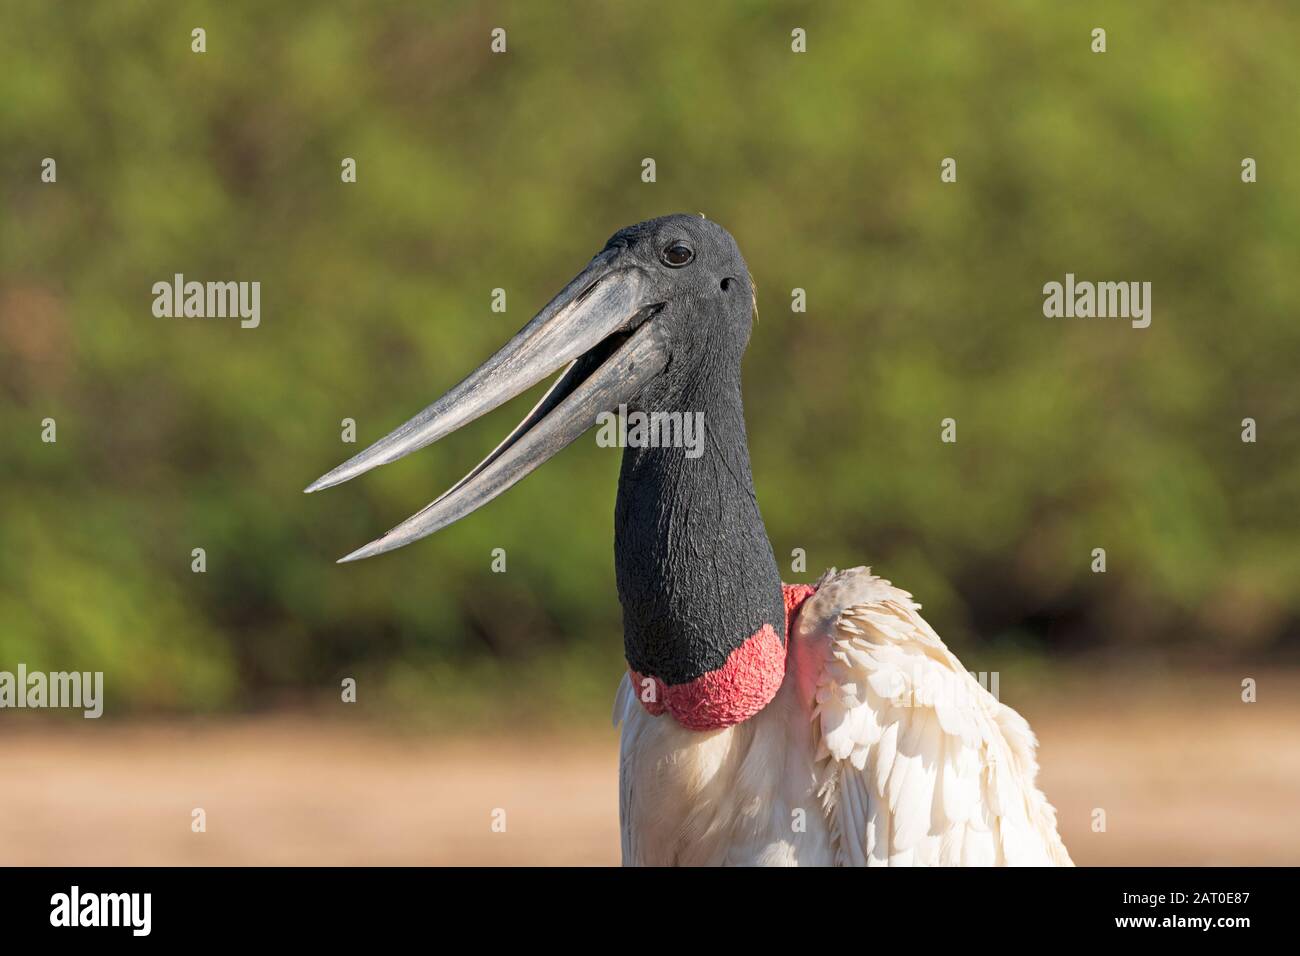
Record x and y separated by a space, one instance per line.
597 326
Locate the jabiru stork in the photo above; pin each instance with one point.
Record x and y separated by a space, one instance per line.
762 723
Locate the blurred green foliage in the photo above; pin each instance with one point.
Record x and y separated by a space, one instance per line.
478 171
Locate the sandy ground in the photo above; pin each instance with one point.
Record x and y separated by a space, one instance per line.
1197 779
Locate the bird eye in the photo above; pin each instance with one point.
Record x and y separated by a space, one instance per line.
677 255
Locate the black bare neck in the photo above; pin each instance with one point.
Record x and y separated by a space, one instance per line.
696 573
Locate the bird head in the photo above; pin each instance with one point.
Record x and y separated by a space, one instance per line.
651 316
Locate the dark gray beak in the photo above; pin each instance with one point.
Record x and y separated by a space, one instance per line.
597 327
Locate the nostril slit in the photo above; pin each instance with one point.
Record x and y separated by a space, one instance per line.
726 284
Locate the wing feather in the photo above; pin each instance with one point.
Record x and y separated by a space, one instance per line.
917 763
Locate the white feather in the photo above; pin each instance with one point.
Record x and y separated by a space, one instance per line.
909 760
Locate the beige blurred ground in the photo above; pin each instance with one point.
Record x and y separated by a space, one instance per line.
1186 773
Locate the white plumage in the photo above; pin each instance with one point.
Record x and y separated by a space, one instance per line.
878 750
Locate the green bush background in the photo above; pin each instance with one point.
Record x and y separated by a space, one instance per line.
478 171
